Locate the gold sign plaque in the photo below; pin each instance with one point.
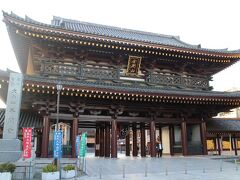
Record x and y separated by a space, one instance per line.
133 67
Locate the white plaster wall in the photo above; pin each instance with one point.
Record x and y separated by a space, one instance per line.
165 140
147 136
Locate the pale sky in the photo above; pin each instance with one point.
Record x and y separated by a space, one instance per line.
211 23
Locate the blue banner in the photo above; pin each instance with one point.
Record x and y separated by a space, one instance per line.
77 143
57 145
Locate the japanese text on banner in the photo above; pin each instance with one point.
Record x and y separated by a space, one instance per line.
27 145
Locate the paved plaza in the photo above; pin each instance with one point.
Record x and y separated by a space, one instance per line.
202 167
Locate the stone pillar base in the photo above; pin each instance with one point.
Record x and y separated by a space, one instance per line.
10 150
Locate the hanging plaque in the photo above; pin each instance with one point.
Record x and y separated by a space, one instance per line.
133 67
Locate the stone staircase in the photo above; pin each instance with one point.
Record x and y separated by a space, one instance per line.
25 171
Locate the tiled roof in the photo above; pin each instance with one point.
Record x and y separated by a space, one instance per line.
219 125
103 30
116 32
27 119
134 88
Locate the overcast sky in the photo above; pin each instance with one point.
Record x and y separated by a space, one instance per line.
211 23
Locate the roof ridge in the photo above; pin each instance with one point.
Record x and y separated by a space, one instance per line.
178 39
114 27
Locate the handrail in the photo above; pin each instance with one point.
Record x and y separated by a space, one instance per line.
79 71
178 81
82 71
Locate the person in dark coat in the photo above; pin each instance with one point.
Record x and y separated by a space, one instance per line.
159 147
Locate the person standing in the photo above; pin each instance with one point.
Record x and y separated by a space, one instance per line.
157 148
160 149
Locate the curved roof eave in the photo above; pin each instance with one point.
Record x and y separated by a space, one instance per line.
138 36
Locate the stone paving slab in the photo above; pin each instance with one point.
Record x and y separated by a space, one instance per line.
166 168
173 176
154 165
181 168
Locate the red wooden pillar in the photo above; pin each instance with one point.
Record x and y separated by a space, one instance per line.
45 137
203 137
171 139
127 144
97 141
143 140
153 138
107 140
74 134
134 129
39 144
114 139
184 138
102 148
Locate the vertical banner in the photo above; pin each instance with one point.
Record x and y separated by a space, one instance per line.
77 143
27 145
57 145
83 145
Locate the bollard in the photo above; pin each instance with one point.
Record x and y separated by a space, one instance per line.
123 171
236 165
204 170
166 171
100 172
185 165
145 170
221 165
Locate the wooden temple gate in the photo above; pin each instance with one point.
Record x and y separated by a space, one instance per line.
115 80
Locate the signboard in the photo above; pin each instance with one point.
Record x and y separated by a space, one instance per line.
133 66
57 145
77 143
14 96
83 145
27 145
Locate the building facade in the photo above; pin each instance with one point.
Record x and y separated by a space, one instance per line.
118 83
